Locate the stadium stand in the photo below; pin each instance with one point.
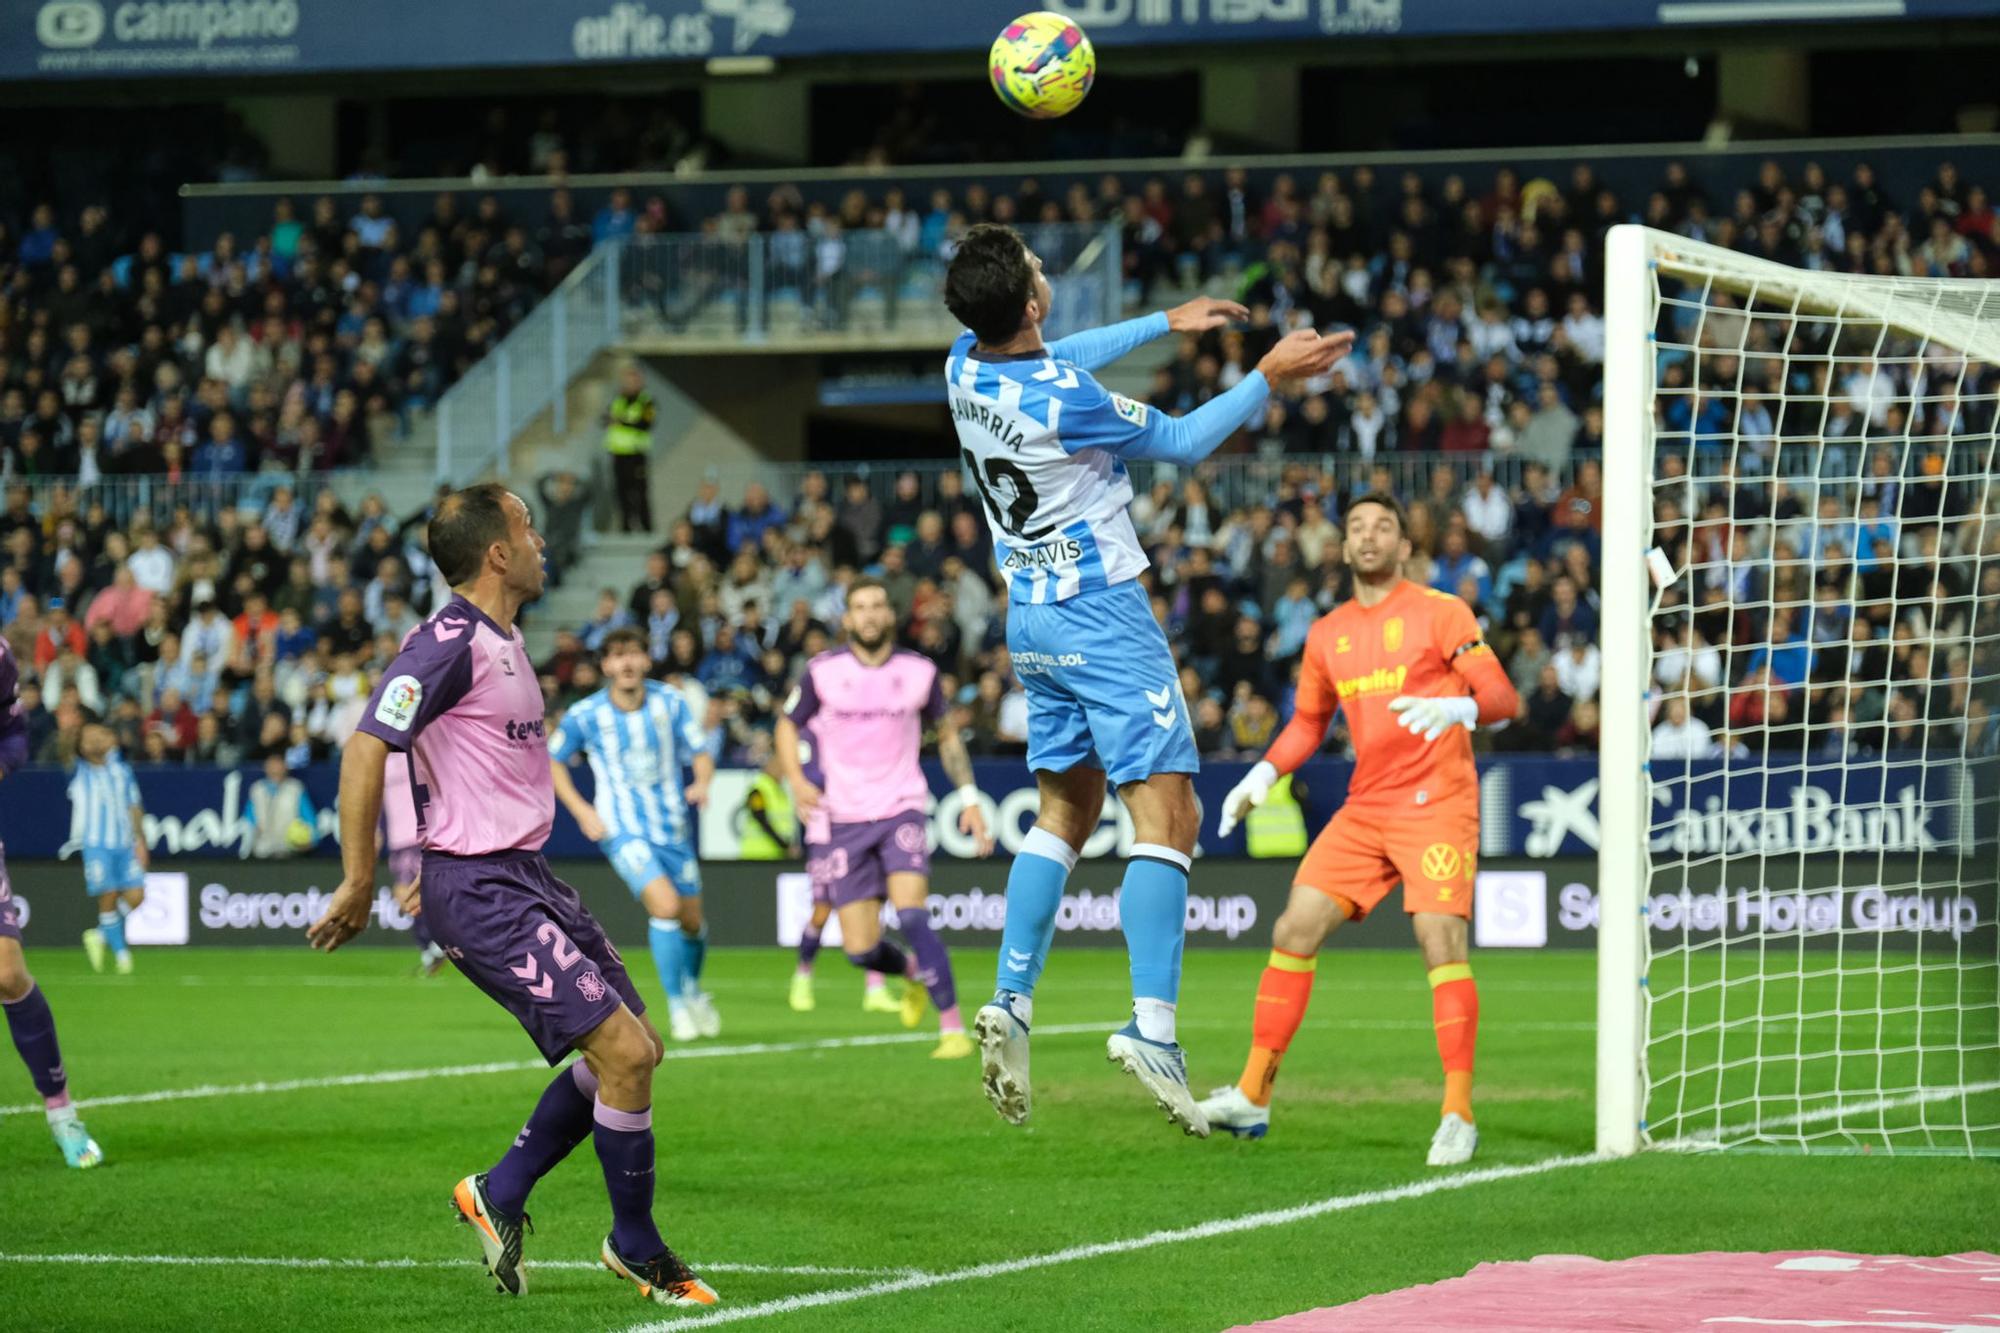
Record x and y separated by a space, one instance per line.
172 557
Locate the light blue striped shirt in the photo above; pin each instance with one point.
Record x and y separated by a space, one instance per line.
101 797
636 757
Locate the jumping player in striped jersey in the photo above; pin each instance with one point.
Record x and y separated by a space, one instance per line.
638 733
30 1022
108 822
1047 447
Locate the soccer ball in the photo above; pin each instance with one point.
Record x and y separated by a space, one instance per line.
1042 65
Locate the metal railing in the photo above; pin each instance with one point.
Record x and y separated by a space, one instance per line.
157 498
1230 482
479 416
838 291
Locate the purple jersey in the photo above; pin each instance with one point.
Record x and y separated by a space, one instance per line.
13 722
868 727
462 695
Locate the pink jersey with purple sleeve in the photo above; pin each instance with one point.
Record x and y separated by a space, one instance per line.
868 731
462 696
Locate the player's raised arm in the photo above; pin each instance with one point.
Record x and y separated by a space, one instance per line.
1312 710
1133 430
1095 348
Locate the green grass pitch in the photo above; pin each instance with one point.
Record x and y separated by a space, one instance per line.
870 1158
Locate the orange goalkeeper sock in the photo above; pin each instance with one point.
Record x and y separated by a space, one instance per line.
1455 1015
1282 993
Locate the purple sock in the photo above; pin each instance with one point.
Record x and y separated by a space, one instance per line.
933 967
420 931
808 947
33 1026
884 957
561 1120
625 1148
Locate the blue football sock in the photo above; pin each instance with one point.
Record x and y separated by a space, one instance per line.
1152 906
113 926
1034 892
694 950
669 956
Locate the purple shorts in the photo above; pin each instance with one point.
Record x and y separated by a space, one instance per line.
523 936
857 859
404 864
10 915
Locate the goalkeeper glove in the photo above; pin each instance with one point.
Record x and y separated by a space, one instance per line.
1432 718
1256 785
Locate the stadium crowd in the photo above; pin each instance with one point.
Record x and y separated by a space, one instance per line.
1847 487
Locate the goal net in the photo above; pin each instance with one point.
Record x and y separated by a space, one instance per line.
1801 665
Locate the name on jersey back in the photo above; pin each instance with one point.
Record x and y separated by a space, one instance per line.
989 420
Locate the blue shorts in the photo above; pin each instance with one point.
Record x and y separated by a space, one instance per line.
111 869
1103 691
639 862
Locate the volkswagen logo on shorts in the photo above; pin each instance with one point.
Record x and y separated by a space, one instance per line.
70 23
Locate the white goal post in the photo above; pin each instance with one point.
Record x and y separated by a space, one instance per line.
1800 637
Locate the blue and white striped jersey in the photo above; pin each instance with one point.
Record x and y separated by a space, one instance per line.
101 797
636 757
1046 446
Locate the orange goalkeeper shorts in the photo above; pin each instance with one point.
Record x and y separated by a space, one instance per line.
1360 857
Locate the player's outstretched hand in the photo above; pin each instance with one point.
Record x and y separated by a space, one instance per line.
1302 353
972 821
346 916
697 793
1245 796
1432 718
591 825
1205 313
410 898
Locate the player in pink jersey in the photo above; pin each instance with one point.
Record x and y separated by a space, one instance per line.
868 703
462 700
816 832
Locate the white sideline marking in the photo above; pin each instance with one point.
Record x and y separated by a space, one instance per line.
267 1261
513 1066
1219 1227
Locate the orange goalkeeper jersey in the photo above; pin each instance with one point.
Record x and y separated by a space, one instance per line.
1415 641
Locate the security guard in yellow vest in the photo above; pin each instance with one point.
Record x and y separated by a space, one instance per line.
628 438
766 830
1277 828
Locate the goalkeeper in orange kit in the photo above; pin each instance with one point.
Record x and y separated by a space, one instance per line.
1411 672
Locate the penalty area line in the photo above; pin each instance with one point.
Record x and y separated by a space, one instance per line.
261 1089
372 1265
1258 1221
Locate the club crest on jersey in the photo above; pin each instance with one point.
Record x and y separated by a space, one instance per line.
1392 634
1133 412
400 698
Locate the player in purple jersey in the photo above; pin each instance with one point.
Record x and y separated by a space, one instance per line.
871 701
29 1019
462 699
815 830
